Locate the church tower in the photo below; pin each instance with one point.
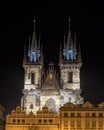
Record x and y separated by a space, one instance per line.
32 64
70 64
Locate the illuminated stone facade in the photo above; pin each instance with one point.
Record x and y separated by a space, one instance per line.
49 87
1 117
71 117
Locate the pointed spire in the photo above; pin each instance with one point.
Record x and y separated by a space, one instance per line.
79 54
69 42
75 41
39 44
34 41
64 41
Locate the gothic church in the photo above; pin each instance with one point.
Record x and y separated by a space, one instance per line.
42 88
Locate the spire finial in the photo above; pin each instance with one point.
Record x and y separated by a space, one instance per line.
69 41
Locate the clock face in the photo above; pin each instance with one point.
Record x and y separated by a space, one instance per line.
50 103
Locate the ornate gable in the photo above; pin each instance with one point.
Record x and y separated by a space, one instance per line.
68 106
87 105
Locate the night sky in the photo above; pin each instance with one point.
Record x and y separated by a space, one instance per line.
16 24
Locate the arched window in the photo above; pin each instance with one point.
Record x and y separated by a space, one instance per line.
32 78
31 106
70 77
28 75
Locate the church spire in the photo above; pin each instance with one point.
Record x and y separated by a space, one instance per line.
39 43
34 40
69 38
34 51
68 51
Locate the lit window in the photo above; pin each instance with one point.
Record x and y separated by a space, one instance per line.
72 123
65 122
78 123
87 123
93 123
100 123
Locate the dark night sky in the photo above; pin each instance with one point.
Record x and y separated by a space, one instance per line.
52 21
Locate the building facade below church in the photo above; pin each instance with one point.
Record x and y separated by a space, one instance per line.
1 117
71 117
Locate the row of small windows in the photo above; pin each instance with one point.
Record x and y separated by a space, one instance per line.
18 121
88 123
39 121
71 67
86 114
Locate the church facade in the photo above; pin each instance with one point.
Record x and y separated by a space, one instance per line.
49 88
50 100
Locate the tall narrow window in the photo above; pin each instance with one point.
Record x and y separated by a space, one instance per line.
32 78
31 106
28 75
70 77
